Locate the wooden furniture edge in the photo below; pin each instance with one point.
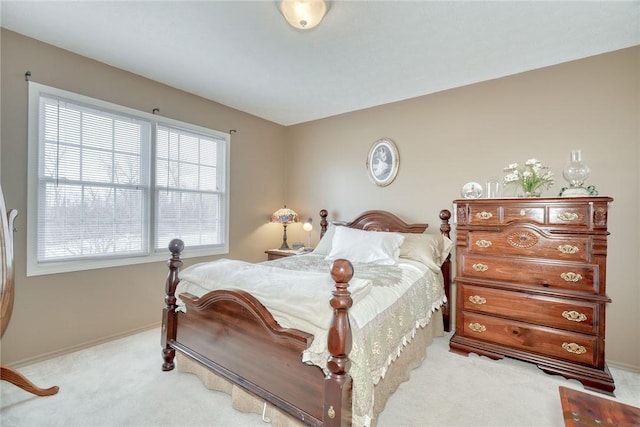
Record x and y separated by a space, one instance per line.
6 299
584 409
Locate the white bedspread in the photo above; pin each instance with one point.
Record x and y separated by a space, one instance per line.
296 299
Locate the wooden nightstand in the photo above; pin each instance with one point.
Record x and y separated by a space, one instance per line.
281 253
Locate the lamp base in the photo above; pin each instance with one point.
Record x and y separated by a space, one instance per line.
284 239
575 192
284 246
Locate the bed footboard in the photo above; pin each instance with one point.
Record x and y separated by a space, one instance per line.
234 335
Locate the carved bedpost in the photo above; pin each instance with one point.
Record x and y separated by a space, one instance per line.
169 315
337 383
445 229
323 222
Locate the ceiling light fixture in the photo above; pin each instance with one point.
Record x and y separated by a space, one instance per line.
303 14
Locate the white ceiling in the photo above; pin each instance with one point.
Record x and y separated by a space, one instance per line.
364 53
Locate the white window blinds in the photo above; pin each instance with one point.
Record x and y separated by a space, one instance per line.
109 185
190 188
93 182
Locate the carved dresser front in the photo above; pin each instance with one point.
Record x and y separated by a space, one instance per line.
531 283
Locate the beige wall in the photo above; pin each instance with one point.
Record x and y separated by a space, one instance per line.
63 311
444 140
471 133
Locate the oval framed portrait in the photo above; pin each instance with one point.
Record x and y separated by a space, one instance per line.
383 162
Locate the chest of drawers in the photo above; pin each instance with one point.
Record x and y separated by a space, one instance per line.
531 283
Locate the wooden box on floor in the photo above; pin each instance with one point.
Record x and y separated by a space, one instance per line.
584 410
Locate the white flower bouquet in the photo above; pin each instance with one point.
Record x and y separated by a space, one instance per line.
532 177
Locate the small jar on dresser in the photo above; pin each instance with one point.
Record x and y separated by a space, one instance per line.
531 283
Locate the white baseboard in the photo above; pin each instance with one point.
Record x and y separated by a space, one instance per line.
71 349
625 366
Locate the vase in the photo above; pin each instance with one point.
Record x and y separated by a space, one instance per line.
533 193
493 188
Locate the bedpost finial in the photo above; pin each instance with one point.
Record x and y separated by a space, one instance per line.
176 246
341 271
323 222
445 227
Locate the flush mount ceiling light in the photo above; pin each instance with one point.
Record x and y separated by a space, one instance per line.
303 14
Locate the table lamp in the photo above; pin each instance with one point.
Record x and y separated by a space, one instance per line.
308 227
576 172
284 216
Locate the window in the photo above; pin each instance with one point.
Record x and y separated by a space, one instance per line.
188 192
110 186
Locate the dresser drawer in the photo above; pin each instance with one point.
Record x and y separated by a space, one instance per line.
483 215
574 215
573 347
498 214
529 242
547 274
523 213
577 316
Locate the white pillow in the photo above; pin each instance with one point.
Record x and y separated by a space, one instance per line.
324 245
365 246
430 249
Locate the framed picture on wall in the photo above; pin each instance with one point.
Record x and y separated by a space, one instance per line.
383 162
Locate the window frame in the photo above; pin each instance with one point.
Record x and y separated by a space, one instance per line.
34 268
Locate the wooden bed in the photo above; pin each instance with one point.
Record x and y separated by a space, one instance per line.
224 330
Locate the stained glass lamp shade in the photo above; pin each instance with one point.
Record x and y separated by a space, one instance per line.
285 216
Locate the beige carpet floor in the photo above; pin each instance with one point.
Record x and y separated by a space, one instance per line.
120 383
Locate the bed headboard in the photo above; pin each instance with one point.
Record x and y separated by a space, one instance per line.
377 220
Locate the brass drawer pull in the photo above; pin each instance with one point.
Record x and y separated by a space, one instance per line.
574 348
477 327
568 249
568 216
477 299
484 243
574 316
570 276
480 267
484 215
331 413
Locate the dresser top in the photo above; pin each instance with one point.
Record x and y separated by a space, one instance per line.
584 213
538 200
